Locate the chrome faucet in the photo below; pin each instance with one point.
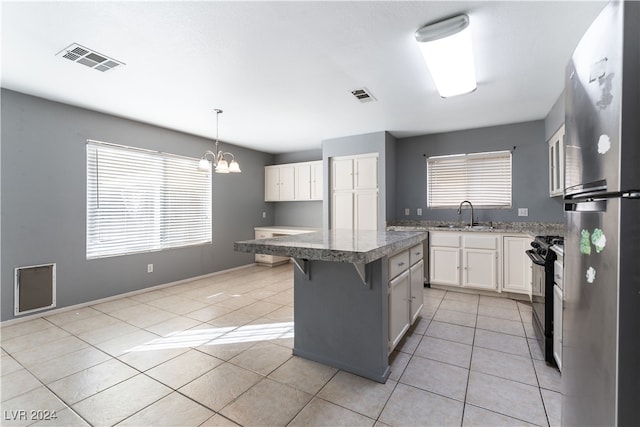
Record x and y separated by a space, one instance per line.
460 210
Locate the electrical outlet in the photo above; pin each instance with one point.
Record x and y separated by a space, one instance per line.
523 211
407 211
149 268
264 214
419 211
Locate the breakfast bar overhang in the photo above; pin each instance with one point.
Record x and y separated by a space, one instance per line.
341 314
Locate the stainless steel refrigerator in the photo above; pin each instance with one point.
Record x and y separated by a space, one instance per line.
601 324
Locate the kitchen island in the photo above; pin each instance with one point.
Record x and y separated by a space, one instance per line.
341 294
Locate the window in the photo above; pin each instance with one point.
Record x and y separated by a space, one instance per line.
484 179
141 201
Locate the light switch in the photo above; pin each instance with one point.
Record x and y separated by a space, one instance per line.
407 211
523 211
419 211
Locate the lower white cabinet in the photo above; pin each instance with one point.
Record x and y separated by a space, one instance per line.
517 265
406 284
557 325
479 269
417 287
482 260
475 255
399 291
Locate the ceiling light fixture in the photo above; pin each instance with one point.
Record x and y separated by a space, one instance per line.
220 163
446 47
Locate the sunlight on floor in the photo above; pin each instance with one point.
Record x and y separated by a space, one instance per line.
219 336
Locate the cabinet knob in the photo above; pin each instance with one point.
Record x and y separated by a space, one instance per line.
418 253
400 264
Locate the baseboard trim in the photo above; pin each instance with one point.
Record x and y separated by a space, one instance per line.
21 319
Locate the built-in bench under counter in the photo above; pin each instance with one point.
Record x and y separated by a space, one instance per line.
277 231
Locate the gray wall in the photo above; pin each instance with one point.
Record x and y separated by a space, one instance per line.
529 168
298 214
378 142
43 178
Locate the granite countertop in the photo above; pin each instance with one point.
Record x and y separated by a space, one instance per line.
531 228
335 245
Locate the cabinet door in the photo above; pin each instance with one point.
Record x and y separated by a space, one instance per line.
271 183
480 269
444 266
342 174
287 182
399 289
556 163
517 265
342 211
366 173
302 181
316 180
366 210
557 326
417 287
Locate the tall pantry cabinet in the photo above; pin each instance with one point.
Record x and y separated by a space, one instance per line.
354 192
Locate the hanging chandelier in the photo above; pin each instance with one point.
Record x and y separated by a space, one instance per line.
219 158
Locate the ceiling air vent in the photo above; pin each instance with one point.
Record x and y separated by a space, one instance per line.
362 95
88 57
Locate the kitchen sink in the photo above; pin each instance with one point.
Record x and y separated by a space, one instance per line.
478 227
448 226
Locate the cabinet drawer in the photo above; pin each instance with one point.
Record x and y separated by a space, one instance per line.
481 242
263 258
398 263
262 235
451 240
415 254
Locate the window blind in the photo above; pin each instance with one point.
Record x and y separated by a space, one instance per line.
141 201
484 179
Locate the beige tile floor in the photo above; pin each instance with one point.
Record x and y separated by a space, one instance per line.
217 352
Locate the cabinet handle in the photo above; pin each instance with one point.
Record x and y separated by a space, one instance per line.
418 253
400 264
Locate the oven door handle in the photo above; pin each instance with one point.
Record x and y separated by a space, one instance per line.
535 258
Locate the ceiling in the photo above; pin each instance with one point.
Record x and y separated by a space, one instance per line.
283 72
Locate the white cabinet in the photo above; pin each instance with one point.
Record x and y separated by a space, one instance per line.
355 210
556 163
557 325
354 192
406 284
417 287
444 266
479 269
474 254
302 176
516 276
316 180
399 291
293 182
279 183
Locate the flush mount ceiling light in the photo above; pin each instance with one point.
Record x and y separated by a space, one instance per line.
446 47
220 163
92 59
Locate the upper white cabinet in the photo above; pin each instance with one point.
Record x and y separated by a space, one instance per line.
354 192
355 172
556 163
293 181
